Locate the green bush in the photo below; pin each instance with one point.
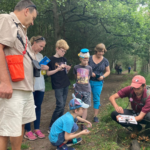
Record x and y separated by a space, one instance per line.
113 71
147 77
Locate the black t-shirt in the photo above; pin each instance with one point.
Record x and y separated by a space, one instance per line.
59 79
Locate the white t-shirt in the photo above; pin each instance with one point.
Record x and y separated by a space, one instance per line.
39 84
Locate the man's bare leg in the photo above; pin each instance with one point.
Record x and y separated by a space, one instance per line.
17 141
3 142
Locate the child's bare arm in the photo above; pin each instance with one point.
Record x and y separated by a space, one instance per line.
69 136
49 73
83 120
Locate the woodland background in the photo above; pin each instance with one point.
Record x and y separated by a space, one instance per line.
122 25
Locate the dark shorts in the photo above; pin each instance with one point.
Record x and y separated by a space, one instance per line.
84 96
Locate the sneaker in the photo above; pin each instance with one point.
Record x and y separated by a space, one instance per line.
30 136
83 127
48 131
96 119
39 134
70 142
65 147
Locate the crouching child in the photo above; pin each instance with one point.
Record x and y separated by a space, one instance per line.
63 129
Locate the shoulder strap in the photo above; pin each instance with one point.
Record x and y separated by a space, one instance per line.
130 95
25 46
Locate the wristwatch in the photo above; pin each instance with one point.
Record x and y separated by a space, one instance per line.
103 76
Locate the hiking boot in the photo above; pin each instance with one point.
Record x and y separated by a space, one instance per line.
65 147
70 142
30 136
39 134
96 119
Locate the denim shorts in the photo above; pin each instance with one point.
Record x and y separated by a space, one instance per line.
61 139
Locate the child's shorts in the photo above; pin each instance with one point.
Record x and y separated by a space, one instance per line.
61 136
84 96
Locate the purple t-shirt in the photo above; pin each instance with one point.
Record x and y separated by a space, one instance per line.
83 74
125 92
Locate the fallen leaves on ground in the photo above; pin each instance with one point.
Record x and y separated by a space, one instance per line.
143 138
133 136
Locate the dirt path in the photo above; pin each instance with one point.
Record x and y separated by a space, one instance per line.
111 84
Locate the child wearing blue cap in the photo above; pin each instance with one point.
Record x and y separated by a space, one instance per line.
63 129
83 72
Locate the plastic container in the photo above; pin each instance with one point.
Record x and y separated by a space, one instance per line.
43 72
74 141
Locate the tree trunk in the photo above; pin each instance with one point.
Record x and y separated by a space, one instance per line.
148 65
113 64
56 21
135 63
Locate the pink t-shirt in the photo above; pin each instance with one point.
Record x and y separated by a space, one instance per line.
125 92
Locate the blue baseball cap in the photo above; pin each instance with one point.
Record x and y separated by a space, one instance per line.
77 103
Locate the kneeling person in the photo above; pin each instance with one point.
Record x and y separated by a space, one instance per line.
63 130
140 102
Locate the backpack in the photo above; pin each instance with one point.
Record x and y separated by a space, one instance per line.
143 99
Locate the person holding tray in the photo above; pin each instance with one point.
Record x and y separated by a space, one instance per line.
139 96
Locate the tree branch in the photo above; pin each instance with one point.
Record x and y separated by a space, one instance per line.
47 11
111 32
67 11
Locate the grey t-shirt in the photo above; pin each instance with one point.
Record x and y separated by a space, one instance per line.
83 74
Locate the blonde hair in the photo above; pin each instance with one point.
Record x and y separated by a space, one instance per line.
100 47
35 39
62 44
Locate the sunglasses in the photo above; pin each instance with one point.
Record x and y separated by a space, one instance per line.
32 6
42 39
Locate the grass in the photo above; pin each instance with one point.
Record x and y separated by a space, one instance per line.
147 77
132 72
23 146
104 134
48 85
113 71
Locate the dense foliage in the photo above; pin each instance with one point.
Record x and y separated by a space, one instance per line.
122 25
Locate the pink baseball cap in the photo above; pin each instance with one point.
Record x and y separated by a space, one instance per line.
137 81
